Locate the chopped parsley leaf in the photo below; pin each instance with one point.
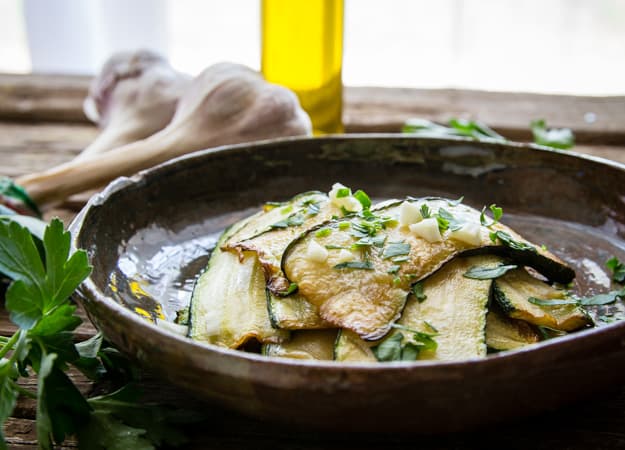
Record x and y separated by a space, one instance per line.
417 291
508 241
363 265
396 249
448 220
453 203
292 288
617 268
495 211
323 232
363 198
343 192
292 221
488 273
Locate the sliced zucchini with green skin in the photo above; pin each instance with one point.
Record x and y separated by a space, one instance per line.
294 312
349 347
454 309
270 234
305 344
367 294
513 291
504 333
228 304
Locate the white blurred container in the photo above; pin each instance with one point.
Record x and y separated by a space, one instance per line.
77 36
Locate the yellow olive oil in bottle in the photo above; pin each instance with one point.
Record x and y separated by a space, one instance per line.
302 49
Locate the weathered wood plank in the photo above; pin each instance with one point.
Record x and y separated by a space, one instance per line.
43 97
367 109
21 434
28 147
386 109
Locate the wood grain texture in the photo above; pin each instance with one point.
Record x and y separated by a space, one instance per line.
43 97
366 109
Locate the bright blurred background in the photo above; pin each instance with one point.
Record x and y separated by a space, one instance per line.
550 46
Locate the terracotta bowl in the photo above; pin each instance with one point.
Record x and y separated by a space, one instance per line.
148 236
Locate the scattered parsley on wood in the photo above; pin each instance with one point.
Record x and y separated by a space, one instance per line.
561 138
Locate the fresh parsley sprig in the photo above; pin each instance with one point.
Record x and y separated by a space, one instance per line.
38 302
560 138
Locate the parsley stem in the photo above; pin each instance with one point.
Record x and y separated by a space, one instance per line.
9 344
25 392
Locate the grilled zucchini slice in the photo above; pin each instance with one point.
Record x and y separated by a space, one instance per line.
363 283
305 344
228 304
349 347
454 310
294 312
270 234
513 291
503 333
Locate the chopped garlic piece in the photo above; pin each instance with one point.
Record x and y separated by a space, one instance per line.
345 256
469 233
409 213
316 252
427 229
350 204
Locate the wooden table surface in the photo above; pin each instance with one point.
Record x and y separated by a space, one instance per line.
42 124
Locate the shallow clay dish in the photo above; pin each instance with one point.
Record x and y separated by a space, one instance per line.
148 237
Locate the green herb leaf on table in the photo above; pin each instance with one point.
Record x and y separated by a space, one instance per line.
560 138
456 127
8 188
